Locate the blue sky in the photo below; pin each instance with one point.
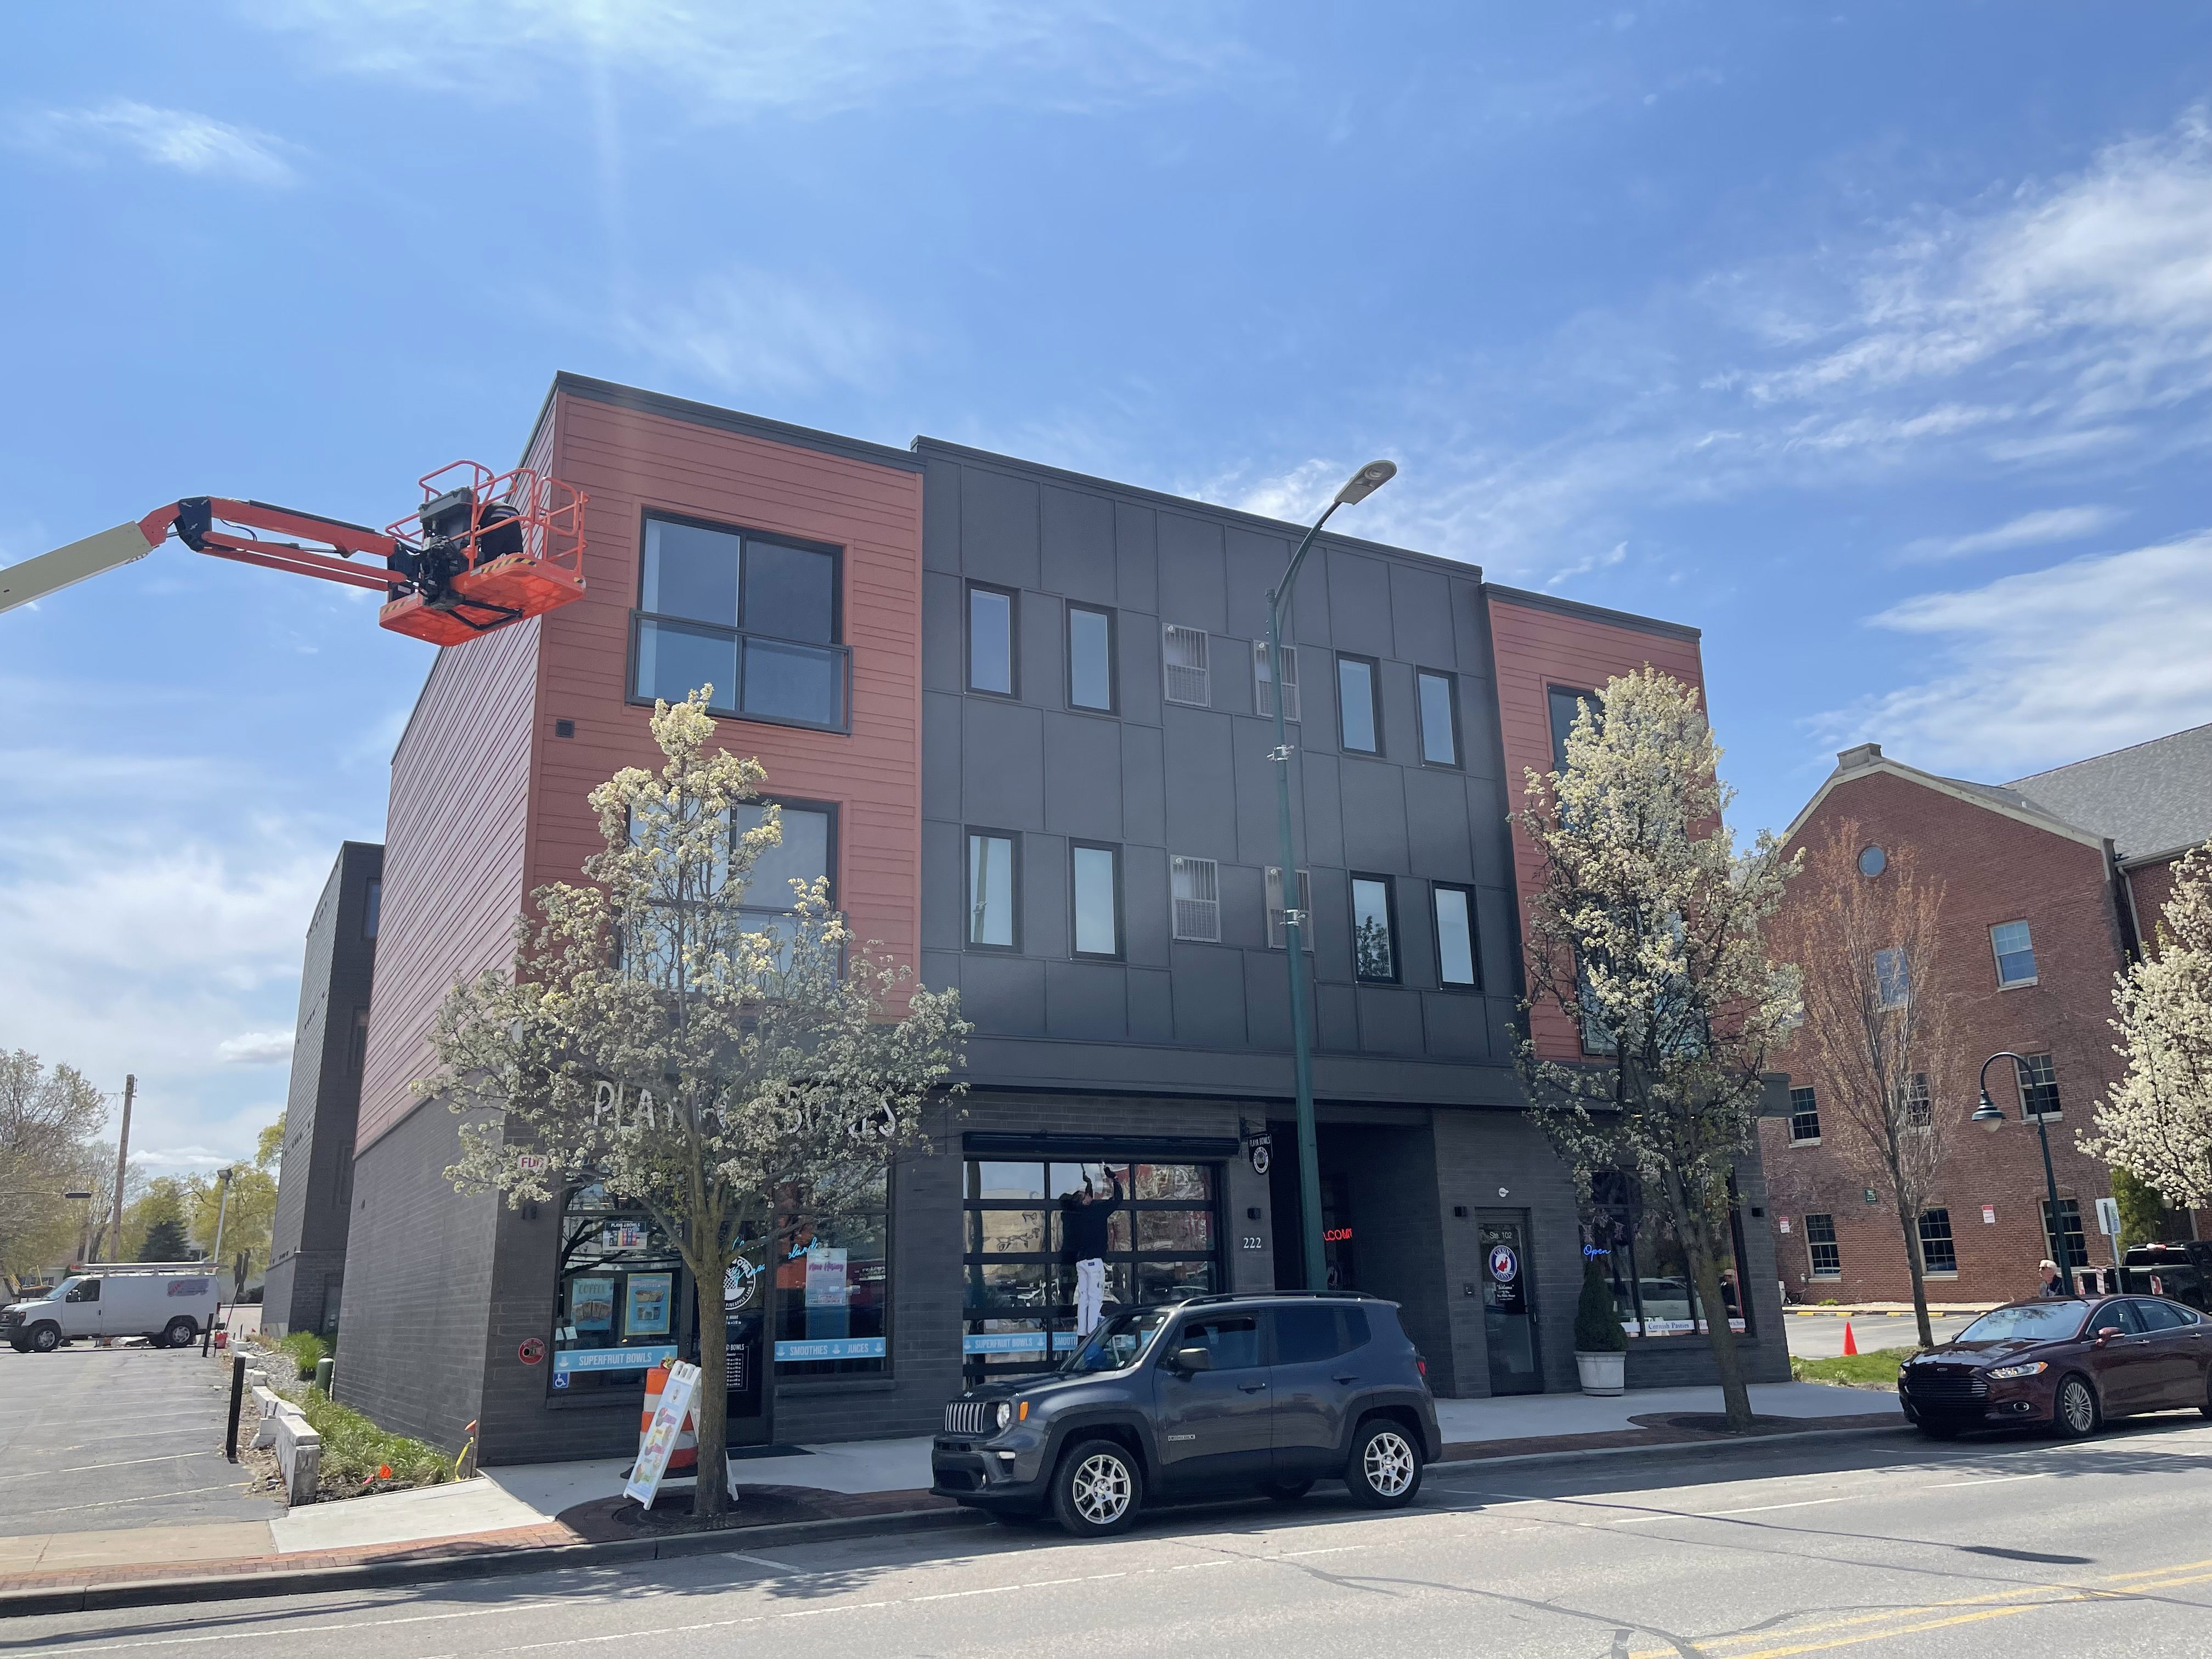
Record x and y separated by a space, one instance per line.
1875 341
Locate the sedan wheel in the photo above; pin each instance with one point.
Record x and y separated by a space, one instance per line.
1099 1489
1383 1471
2076 1414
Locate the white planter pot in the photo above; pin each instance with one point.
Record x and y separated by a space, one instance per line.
1602 1373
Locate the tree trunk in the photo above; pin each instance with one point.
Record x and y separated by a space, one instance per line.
1909 1225
1696 1230
711 1497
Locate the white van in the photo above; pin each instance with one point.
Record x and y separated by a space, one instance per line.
170 1301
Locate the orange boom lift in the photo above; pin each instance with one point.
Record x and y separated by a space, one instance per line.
482 550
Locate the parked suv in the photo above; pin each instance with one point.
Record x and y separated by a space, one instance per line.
1214 1397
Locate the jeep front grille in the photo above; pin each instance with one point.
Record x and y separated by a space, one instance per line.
971 1417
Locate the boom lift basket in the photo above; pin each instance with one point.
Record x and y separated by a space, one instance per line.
494 550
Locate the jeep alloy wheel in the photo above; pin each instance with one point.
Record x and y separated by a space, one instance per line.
1099 1489
1385 1470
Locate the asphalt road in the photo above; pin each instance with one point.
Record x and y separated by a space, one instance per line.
1820 1336
1883 1546
95 1439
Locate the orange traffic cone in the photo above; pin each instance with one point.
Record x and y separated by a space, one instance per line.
1850 1346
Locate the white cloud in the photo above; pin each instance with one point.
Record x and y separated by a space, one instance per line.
757 333
773 56
2050 665
177 138
2039 529
255 1048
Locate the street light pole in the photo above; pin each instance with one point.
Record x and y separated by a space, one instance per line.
1362 484
1991 1116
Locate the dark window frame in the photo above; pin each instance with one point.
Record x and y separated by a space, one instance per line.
1012 596
1998 958
1458 762
1474 938
1813 1247
1933 1228
371 907
968 888
1121 951
2068 1242
1809 1107
831 848
2039 1083
1552 717
1397 975
1374 666
1112 620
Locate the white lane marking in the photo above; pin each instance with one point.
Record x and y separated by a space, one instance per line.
262 1633
147 1498
1004 1589
1702 1515
1995 1481
764 1561
81 1468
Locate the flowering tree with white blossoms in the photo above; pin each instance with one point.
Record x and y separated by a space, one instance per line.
1648 933
2157 1121
745 1086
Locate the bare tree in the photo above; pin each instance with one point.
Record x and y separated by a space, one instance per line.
1874 1029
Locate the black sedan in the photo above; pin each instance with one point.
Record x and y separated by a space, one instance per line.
2067 1363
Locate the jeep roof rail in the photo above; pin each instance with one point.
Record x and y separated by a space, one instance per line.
1212 1297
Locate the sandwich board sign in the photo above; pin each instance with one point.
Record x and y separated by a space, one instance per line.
660 1439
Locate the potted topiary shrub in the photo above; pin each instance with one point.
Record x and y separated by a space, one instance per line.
1601 1344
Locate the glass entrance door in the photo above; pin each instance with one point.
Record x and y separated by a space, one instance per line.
1509 1309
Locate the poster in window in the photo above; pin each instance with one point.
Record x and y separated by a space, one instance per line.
622 1236
650 1298
592 1303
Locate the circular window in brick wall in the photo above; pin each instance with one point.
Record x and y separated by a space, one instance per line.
1873 861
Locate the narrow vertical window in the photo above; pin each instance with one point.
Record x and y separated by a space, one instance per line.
1455 958
1893 982
1439 719
1821 1245
2039 1086
1357 716
1196 888
1095 879
1939 1251
1184 651
1263 681
991 641
990 890
1278 929
1374 930
2015 953
372 909
1566 707
1090 658
1919 1103
1804 1117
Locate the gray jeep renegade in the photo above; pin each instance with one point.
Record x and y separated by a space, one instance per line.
1215 1397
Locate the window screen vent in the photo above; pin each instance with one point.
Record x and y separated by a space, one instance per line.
1263 689
1197 887
1186 663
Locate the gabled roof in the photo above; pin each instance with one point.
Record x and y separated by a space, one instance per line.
2150 799
1867 760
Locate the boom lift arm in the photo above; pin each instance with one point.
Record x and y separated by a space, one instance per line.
480 552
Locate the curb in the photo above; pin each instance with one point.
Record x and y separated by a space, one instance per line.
491 1564
1663 1446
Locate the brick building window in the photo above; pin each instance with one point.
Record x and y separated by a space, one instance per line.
1939 1254
2075 1252
1820 1242
2039 1086
1919 1103
2015 950
1804 1118
1893 980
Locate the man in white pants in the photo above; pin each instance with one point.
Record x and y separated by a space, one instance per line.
1084 1217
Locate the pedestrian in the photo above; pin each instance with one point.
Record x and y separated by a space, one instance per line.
2054 1282
1084 1217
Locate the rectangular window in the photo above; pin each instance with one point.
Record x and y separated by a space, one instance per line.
1565 707
1456 962
357 1044
372 910
1804 1117
1263 682
833 1301
1094 880
1184 651
990 884
1938 1253
1893 981
1919 1103
2015 953
1090 679
2075 1252
1277 932
1820 1243
991 641
1374 929
1439 718
1647 1267
2039 1086
807 854
1598 1039
1195 889
622 1303
755 617
1359 718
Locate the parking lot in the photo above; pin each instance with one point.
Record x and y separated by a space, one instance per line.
95 1439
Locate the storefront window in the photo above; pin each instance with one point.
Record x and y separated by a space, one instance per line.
624 1301
1647 1267
1162 1245
834 1297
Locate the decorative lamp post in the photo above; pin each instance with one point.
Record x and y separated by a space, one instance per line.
1362 484
1991 1116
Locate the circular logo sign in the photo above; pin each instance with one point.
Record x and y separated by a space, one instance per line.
1504 1264
740 1284
1261 1157
532 1350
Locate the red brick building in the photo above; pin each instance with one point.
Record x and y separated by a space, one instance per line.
2050 884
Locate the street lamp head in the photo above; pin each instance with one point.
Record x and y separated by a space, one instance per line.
83 1195
1988 1114
1365 482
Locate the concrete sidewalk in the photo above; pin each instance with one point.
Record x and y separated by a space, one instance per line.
518 1508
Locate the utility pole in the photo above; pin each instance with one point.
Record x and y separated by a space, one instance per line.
122 1164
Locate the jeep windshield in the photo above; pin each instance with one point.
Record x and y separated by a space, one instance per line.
2030 1322
1119 1343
